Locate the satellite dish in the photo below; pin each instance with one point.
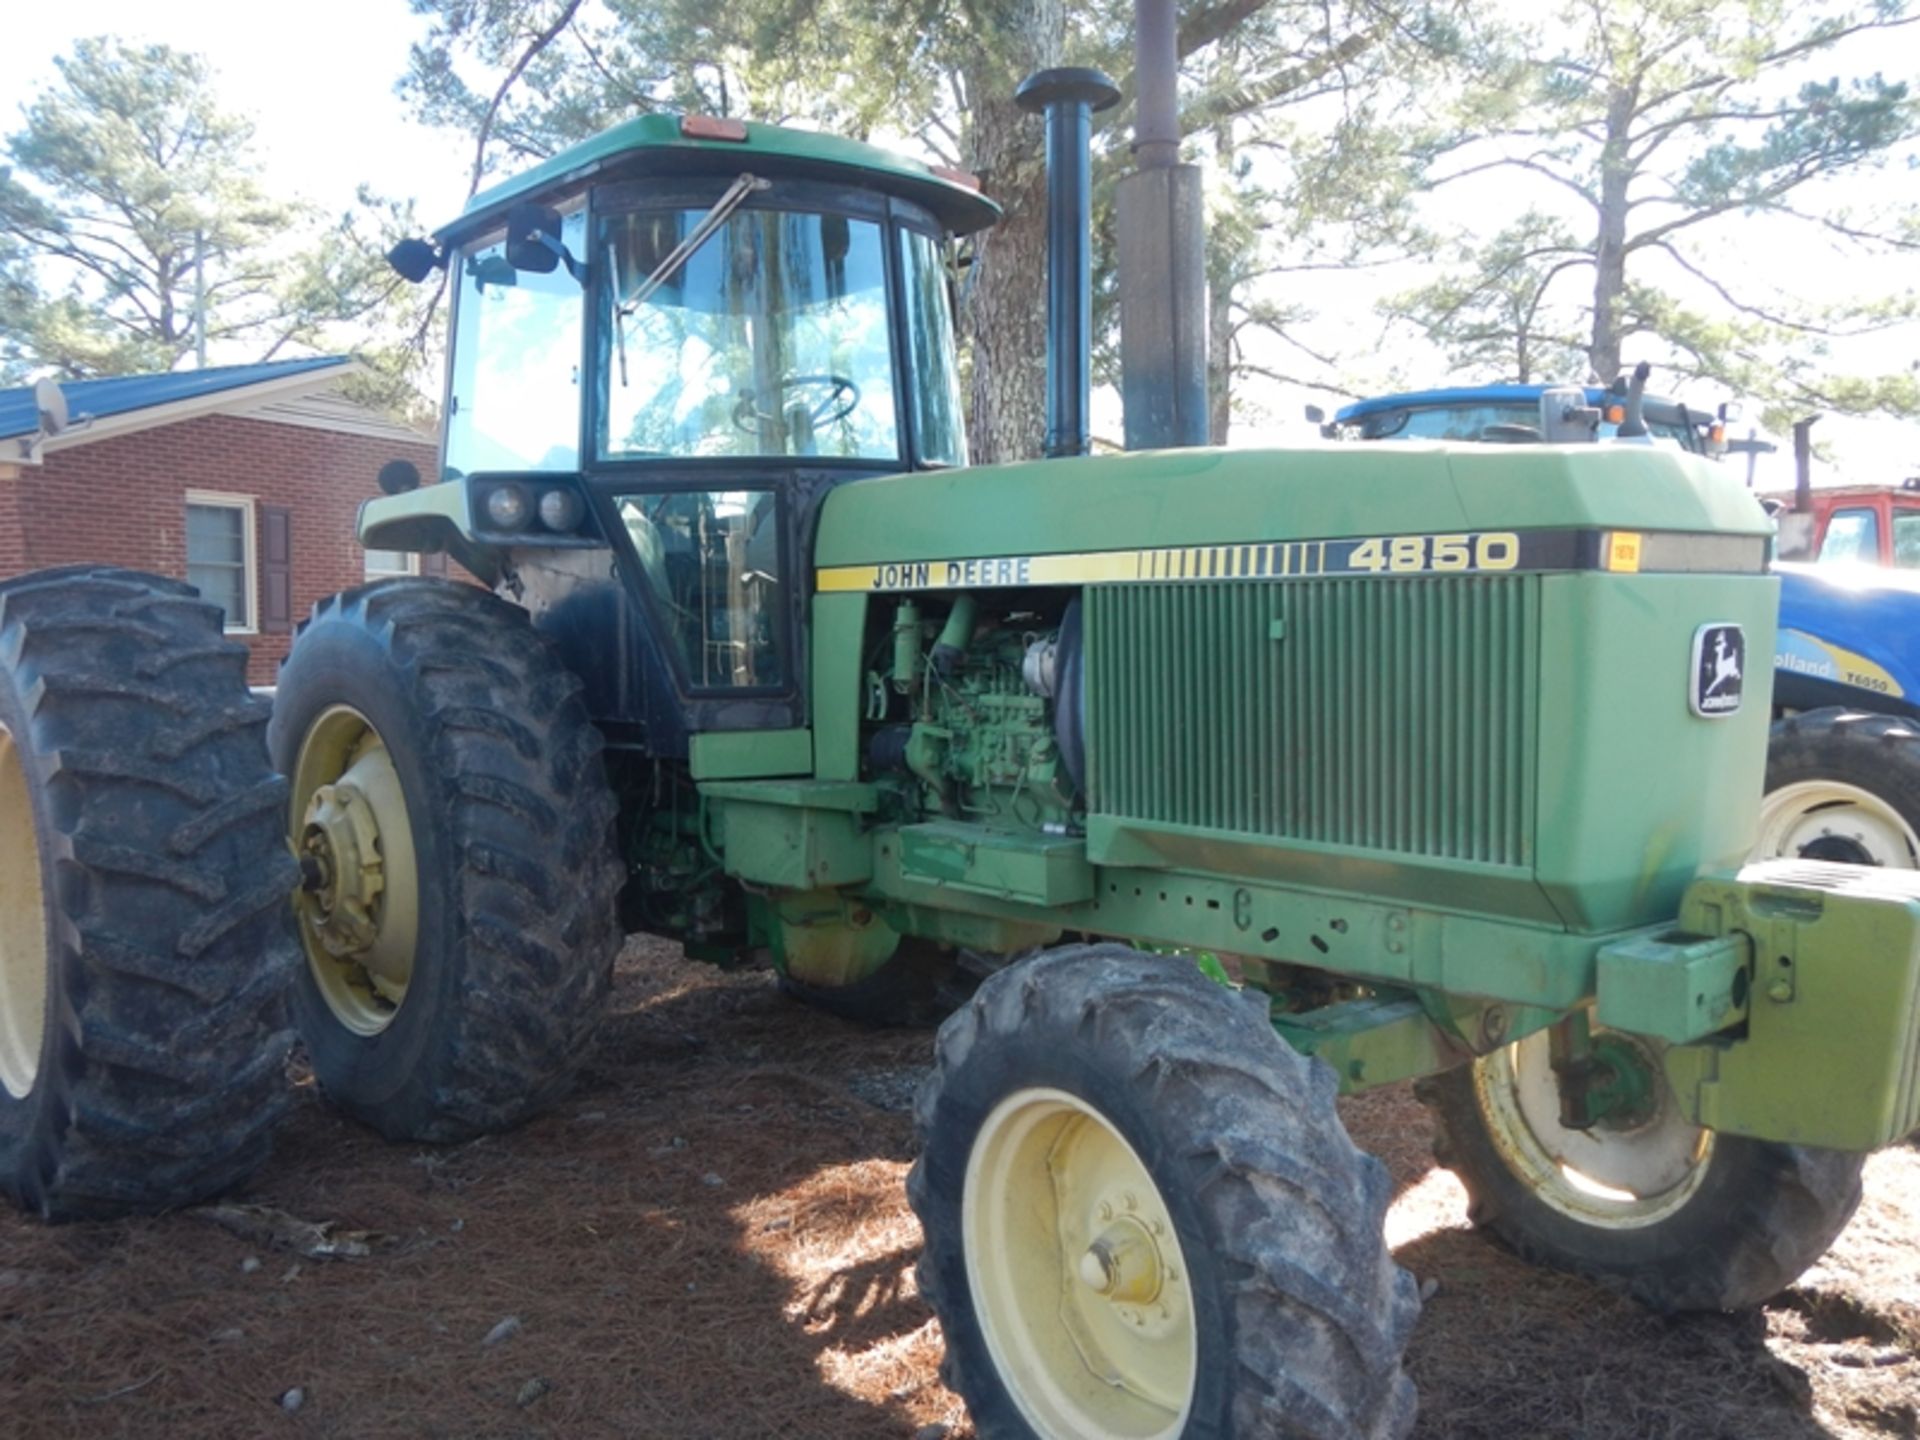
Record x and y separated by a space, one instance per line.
51 402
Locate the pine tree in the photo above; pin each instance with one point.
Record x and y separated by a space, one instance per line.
130 201
1637 136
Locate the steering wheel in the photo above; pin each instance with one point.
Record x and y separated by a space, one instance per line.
839 399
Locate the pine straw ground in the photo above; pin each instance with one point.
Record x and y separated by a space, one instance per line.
709 1241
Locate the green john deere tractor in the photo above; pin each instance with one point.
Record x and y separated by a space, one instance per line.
1450 755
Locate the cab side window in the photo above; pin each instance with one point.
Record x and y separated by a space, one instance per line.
1853 536
1906 539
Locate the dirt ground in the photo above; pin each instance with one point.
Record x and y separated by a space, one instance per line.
709 1241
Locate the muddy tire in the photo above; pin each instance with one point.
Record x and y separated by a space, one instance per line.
1843 785
459 994
1235 1281
917 988
1731 1223
145 942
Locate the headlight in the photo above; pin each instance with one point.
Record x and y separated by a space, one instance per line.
562 510
507 507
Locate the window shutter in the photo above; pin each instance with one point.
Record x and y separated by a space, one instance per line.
276 569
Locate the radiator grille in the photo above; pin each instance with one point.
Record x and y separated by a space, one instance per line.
1394 715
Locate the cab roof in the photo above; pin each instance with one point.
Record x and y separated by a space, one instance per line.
1669 411
659 145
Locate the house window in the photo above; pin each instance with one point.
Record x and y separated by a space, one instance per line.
383 564
220 558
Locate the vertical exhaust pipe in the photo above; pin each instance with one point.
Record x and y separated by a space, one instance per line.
1803 464
1161 249
1068 97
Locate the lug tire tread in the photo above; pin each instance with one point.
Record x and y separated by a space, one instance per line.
1320 1312
1774 1210
165 1071
530 818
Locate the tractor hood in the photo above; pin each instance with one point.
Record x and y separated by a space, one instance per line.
1201 497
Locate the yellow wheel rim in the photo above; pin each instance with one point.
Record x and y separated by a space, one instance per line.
1077 1275
1621 1174
359 897
23 929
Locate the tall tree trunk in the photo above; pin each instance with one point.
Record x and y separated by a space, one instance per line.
1610 246
1007 315
1219 359
1220 268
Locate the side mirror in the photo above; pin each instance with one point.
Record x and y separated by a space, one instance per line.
1315 415
533 239
397 477
414 260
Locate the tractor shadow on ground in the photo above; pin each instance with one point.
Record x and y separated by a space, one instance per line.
1506 1349
706 1241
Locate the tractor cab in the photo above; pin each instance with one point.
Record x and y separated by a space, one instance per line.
668 344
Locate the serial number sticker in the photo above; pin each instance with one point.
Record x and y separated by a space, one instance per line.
1623 552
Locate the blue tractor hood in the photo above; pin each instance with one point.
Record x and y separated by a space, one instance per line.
1847 637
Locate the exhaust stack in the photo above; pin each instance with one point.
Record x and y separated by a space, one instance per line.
1161 253
1068 97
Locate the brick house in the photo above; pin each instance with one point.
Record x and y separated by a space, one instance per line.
244 480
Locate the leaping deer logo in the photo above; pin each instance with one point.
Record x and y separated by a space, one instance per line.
1726 664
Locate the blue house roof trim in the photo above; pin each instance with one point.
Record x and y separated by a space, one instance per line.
122 395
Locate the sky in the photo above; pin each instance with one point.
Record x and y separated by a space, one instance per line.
329 121
316 80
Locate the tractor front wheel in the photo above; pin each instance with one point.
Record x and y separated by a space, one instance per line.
1143 1218
145 946
1643 1200
453 825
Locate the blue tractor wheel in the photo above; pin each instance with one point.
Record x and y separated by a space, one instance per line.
1843 785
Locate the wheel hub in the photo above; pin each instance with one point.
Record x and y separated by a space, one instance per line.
358 897
1640 1161
342 868
1123 1264
1839 849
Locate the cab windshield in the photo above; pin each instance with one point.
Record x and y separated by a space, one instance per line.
772 339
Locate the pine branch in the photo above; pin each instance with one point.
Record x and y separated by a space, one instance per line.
540 42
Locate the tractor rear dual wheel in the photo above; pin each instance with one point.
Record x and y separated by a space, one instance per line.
145 945
453 823
1144 1219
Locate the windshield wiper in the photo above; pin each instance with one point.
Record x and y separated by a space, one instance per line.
735 196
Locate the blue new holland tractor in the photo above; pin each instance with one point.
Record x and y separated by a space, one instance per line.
1843 766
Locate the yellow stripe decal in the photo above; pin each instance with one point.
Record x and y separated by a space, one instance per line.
1483 552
